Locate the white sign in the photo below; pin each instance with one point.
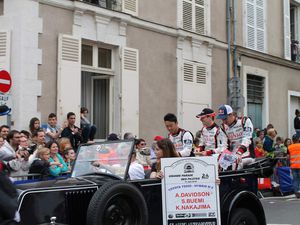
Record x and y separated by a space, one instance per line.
190 194
5 99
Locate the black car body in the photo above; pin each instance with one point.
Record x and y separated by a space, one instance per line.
99 192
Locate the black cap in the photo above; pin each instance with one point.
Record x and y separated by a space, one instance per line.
206 112
112 137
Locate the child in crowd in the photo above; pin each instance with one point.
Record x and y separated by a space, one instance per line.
34 125
259 151
70 156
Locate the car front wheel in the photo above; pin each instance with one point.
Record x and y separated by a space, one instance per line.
242 216
117 203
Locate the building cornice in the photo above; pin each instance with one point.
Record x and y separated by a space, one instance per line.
133 21
242 51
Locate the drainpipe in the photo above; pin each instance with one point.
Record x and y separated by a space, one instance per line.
234 40
228 22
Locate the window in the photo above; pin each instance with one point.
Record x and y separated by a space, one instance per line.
194 16
96 56
292 38
255 98
255 25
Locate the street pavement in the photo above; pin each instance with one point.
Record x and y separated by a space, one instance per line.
283 210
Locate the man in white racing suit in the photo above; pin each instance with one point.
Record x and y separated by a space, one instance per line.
213 139
239 133
182 139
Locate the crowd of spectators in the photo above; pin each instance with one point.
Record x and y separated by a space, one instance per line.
47 150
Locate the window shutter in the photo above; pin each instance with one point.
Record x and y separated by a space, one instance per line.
130 7
286 22
68 76
199 16
188 72
130 91
187 15
250 38
260 26
5 50
201 74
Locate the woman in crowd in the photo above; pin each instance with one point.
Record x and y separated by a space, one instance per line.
60 165
34 125
41 164
164 149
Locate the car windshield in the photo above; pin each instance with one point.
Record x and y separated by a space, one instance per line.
107 157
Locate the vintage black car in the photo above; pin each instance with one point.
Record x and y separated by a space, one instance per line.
99 192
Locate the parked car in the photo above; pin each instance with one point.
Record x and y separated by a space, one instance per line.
100 192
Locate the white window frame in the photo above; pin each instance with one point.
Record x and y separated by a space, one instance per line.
255 27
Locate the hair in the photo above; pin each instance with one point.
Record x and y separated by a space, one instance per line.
11 135
286 140
31 124
64 143
50 143
128 135
295 138
271 131
70 114
42 151
279 139
138 141
297 112
3 126
67 150
36 132
170 117
51 115
26 133
168 150
83 109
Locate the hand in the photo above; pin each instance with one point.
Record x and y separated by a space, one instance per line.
159 175
238 158
55 163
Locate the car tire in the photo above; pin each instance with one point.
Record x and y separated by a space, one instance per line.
242 216
117 202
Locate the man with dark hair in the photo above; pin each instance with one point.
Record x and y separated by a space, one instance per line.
8 150
72 131
4 130
53 130
182 139
213 139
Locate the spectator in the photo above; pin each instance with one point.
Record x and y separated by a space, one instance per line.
259 151
34 125
4 130
269 126
239 133
287 142
39 138
70 156
128 136
280 148
52 130
88 129
213 139
268 144
8 150
20 165
294 152
72 131
41 163
297 122
64 143
182 139
142 154
152 148
136 170
25 133
112 137
58 165
164 149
